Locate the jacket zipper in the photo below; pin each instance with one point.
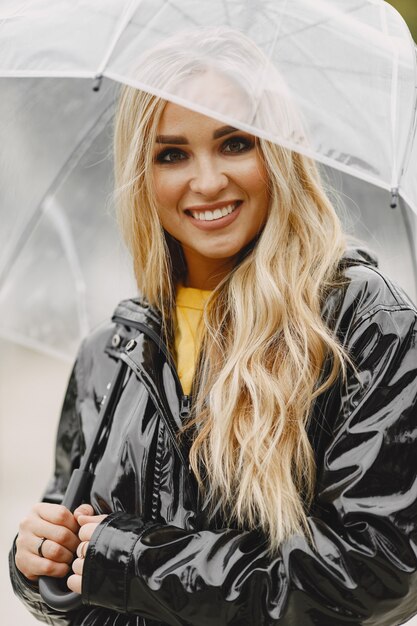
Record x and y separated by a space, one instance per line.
185 408
185 402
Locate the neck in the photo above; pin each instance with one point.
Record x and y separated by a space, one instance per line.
205 273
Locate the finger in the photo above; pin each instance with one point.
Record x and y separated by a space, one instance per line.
74 583
59 534
51 550
33 524
56 514
88 519
77 566
82 549
83 509
33 566
86 532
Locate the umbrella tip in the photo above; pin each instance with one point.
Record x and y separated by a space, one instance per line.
97 82
394 198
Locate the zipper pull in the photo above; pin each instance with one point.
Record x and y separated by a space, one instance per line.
185 408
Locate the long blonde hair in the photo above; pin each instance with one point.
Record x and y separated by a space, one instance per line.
265 344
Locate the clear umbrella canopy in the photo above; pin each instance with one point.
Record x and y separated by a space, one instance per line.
334 80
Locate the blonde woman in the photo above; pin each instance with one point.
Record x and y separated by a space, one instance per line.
260 468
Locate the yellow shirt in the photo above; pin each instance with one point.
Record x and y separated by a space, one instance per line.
189 307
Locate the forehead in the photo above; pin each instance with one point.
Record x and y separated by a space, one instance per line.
210 92
180 120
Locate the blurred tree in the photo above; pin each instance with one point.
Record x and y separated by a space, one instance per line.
408 9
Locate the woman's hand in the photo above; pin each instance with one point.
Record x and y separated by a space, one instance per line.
88 522
47 540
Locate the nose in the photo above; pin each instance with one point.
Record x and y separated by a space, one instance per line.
208 178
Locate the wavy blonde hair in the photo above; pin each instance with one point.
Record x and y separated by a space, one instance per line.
265 344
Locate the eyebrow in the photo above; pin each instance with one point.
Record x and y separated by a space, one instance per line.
224 130
180 140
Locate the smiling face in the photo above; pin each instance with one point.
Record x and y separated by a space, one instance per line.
211 190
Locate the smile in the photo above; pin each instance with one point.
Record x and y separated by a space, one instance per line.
218 216
208 216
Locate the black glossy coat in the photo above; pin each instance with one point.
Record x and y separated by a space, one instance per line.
156 559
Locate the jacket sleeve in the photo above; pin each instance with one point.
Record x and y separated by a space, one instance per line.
67 456
360 567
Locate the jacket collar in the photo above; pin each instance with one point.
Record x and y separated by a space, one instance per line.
139 311
359 256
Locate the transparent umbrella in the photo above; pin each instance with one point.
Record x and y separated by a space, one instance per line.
335 80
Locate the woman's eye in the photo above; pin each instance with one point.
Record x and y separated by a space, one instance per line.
237 145
170 156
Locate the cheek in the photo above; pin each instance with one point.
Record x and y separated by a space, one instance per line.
255 181
252 176
168 189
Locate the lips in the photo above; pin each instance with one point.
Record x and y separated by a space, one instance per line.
209 213
215 216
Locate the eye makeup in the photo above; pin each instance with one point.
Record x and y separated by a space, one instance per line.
238 144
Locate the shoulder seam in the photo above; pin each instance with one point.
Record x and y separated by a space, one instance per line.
403 303
393 308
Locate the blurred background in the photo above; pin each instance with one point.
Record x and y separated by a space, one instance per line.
32 385
408 9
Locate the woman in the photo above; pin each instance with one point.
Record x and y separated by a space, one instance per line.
261 464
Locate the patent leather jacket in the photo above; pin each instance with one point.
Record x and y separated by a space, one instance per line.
156 559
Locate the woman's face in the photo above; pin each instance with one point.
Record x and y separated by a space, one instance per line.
211 188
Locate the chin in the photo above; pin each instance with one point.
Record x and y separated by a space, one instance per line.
227 255
226 251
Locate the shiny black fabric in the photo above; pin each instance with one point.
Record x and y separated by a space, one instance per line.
156 559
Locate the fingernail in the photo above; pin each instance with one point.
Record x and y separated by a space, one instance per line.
84 508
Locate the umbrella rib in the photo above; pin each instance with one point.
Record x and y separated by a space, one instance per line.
394 98
408 232
56 214
150 24
34 344
120 28
413 125
226 12
259 86
65 170
181 12
398 172
320 22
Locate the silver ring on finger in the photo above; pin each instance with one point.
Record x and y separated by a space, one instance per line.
40 548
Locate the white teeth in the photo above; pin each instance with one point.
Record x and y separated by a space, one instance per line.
208 216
